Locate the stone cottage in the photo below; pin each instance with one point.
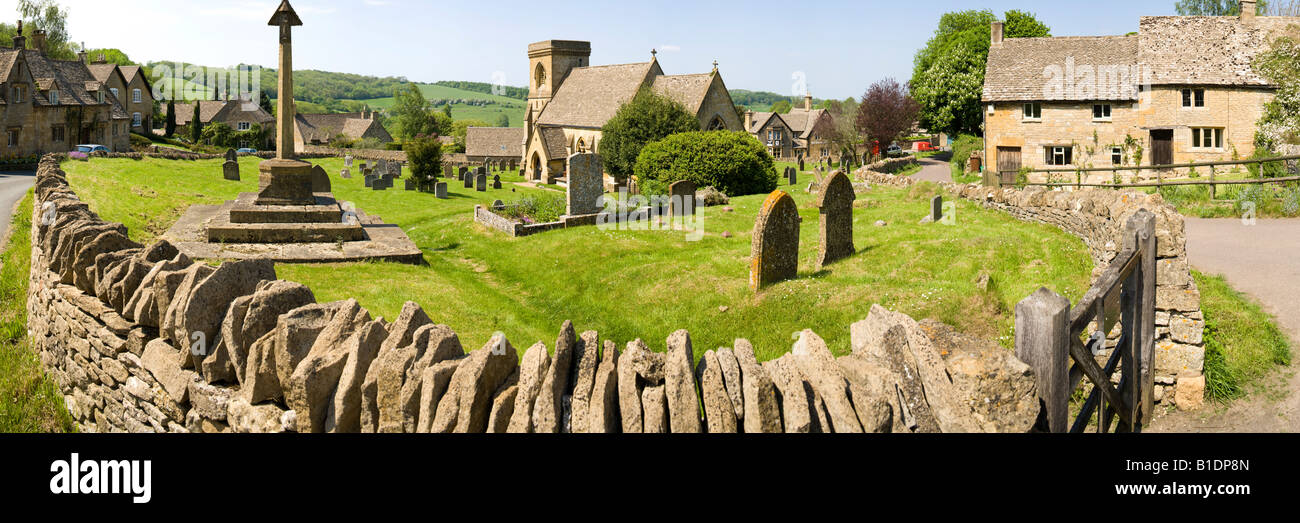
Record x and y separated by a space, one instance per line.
800 133
132 90
569 100
319 129
49 105
239 115
1180 90
494 143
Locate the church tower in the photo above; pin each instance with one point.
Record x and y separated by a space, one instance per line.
549 64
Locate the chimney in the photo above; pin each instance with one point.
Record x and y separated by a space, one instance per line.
749 120
807 101
38 40
997 34
20 41
1248 10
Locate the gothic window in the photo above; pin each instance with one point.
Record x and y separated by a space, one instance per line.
717 125
540 74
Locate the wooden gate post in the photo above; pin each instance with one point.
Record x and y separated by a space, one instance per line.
1043 343
1146 303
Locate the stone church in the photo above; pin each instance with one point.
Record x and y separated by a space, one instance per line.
569 100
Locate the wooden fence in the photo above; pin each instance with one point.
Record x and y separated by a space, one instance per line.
1289 163
1049 334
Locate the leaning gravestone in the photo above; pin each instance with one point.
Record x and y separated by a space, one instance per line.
774 253
480 183
496 181
231 155
440 190
460 173
586 184
320 180
936 209
835 200
682 194
230 170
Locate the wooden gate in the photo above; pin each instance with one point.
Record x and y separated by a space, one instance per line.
1008 164
1162 147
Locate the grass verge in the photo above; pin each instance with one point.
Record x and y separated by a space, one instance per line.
1242 343
29 400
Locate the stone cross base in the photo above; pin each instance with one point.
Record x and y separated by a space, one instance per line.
285 182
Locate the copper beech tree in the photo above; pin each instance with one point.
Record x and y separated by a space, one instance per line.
887 113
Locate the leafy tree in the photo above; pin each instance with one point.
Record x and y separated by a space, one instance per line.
887 112
196 126
446 109
411 113
1280 122
425 154
1215 7
169 129
844 136
218 134
731 161
646 118
782 106
960 47
112 56
264 101
49 16
503 120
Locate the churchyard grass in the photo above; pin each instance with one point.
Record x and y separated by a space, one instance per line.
641 284
29 400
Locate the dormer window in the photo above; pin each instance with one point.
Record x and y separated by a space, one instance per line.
54 97
100 96
19 94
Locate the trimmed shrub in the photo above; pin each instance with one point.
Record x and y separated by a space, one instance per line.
646 118
424 153
733 162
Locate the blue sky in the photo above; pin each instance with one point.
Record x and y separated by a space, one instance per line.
841 47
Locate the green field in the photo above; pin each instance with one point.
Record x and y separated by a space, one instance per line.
641 284
511 107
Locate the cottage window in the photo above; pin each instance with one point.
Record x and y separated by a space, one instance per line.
58 133
1059 155
13 137
1033 111
100 95
136 119
1116 155
1193 97
1101 112
54 97
18 94
135 96
244 126
114 91
1207 138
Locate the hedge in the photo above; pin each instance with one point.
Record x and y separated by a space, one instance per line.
733 162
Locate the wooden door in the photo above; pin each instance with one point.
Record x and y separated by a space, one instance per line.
1008 164
1162 147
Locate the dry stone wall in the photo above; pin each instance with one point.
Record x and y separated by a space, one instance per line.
1097 216
143 339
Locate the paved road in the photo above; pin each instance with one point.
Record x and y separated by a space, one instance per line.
1262 260
13 185
934 169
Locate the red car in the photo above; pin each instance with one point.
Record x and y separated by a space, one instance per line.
925 146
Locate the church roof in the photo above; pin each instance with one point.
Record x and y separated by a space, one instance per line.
553 141
590 96
494 141
689 89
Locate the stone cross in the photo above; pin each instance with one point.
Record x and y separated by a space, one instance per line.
835 201
774 252
496 181
285 18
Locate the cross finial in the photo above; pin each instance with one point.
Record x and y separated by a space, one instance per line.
653 53
715 66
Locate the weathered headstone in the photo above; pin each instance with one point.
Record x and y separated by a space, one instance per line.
370 180
496 181
440 190
231 155
682 193
498 205
230 170
347 161
480 183
460 173
521 173
364 166
936 209
800 164
320 180
774 254
585 184
345 174
469 181
835 200
411 184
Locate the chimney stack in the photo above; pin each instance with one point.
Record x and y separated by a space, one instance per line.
997 34
38 40
807 101
749 120
20 41
1248 10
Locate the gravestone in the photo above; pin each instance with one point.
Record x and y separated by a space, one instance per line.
521 173
936 209
682 194
364 166
498 205
387 180
440 190
482 170
801 164
230 170
835 201
320 181
411 184
347 161
469 181
794 177
480 183
496 181
231 155
586 184
345 174
370 180
460 173
774 253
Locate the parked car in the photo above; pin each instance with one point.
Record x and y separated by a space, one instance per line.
894 151
925 147
91 148
246 150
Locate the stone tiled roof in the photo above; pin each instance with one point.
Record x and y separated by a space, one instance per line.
102 72
760 120
553 141
1207 50
129 72
208 109
1016 69
323 127
8 57
689 89
590 96
802 122
494 141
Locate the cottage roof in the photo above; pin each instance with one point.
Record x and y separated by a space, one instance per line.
1020 69
494 141
1207 50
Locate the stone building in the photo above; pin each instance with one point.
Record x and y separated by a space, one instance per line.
801 133
240 116
1181 90
569 100
49 105
494 143
320 129
132 90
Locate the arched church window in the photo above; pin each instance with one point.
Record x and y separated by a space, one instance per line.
717 124
540 74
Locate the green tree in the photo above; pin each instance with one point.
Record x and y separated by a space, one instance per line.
169 128
49 16
112 56
647 117
446 109
425 155
503 120
1280 122
960 47
412 115
196 126
782 106
1215 7
218 134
